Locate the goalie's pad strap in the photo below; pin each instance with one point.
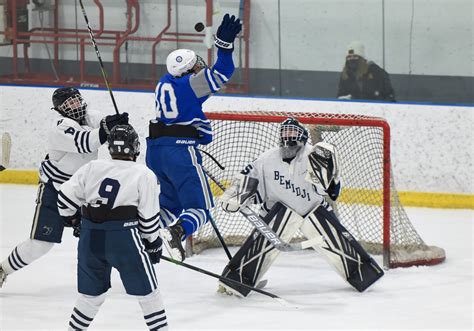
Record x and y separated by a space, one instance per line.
340 249
257 254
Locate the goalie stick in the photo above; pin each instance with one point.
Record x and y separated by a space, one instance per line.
264 229
6 149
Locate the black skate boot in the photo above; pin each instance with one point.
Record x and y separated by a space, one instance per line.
172 237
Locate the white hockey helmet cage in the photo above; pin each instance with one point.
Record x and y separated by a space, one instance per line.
292 133
180 62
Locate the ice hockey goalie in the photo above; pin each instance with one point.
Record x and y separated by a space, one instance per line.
290 183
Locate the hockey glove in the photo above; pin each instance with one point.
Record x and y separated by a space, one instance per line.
154 249
109 122
323 166
227 31
73 221
242 192
76 230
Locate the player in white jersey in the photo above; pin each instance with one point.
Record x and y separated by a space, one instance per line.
290 182
73 140
119 229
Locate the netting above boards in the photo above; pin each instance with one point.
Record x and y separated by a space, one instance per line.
368 206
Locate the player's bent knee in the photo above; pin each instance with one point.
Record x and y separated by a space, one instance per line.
151 301
31 249
94 301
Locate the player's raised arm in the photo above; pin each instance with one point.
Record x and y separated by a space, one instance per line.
211 80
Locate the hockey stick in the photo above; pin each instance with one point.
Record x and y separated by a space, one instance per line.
219 236
6 149
212 158
265 230
102 69
216 230
222 278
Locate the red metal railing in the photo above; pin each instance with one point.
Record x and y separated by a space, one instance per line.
58 36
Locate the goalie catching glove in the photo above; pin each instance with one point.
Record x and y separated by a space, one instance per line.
323 169
241 192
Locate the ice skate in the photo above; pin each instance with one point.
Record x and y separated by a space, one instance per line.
172 241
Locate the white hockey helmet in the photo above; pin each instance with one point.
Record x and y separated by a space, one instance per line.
180 62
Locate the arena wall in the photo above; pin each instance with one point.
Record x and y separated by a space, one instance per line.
432 146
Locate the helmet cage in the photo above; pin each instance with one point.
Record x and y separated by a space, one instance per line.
200 63
292 133
73 107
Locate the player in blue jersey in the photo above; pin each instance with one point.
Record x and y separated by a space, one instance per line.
74 138
180 126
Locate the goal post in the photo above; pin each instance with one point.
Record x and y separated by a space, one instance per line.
369 206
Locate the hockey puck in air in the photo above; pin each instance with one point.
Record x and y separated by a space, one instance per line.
199 27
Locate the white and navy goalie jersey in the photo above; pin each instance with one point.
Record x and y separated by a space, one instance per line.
178 101
70 146
114 190
279 181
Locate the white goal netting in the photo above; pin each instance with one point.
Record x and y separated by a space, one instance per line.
368 207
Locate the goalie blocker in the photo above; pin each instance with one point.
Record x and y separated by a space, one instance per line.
333 242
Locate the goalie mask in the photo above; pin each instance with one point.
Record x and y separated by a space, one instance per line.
124 143
293 136
68 102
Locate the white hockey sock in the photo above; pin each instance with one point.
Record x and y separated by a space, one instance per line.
154 311
84 311
25 253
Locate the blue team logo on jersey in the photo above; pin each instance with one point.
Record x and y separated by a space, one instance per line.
179 59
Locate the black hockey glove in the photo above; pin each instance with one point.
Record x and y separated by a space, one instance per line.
154 249
76 230
73 221
108 123
227 31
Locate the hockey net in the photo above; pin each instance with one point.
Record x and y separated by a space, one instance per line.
368 207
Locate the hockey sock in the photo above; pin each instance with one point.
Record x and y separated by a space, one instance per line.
168 217
25 253
192 219
84 311
153 311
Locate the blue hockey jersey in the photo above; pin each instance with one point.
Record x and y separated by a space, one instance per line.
178 101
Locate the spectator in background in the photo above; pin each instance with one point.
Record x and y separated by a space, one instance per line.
362 79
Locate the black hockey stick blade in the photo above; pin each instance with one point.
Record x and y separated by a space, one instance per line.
189 266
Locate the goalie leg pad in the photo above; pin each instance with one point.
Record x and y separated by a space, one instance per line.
257 254
341 249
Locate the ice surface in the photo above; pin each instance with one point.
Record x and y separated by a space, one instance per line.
42 295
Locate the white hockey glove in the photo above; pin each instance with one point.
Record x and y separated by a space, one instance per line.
241 192
323 165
